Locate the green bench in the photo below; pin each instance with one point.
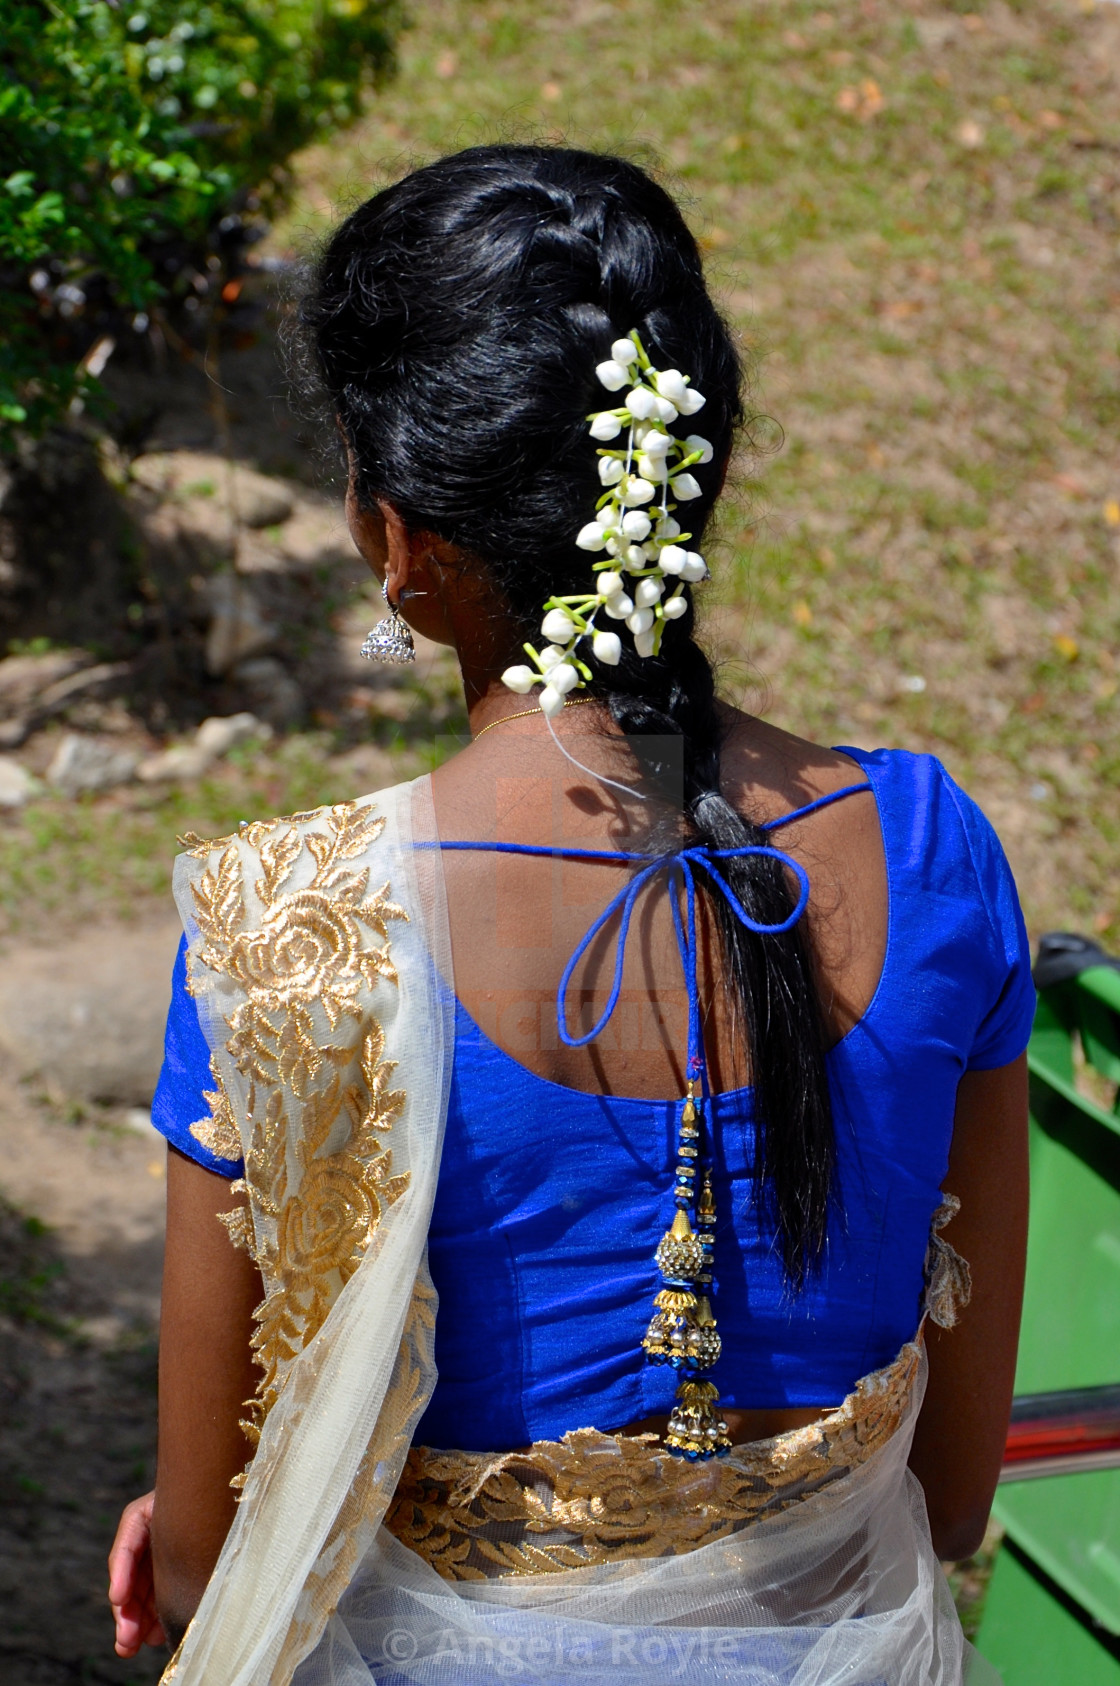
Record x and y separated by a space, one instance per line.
1052 1614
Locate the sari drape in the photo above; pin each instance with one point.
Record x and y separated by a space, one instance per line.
320 959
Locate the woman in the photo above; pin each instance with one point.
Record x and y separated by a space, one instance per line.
712 1015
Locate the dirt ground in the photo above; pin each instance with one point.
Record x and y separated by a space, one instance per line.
81 1243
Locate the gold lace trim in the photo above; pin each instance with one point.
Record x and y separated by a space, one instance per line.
594 1498
948 1278
318 1098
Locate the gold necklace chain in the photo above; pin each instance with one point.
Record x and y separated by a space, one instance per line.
526 713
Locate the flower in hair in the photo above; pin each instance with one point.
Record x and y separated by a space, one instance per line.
643 563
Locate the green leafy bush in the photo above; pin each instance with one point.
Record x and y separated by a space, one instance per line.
128 130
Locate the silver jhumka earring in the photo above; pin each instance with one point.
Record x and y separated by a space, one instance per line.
391 639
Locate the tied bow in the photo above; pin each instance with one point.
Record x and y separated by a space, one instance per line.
680 867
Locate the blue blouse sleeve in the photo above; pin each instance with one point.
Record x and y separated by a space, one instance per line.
1005 1028
180 1098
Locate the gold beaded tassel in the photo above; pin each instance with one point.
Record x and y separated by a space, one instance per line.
682 1331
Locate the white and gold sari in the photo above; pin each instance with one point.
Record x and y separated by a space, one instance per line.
321 965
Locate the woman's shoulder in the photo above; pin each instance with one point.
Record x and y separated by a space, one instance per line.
925 817
769 772
779 772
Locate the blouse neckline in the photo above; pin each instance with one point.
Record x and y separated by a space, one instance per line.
744 1091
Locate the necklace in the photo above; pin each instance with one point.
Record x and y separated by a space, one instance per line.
524 714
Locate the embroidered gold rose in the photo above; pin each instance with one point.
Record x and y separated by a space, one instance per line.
316 1105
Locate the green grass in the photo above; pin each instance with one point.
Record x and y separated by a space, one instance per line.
29 1277
916 239
110 855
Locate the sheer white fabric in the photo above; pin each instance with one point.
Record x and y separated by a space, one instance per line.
841 1590
333 1444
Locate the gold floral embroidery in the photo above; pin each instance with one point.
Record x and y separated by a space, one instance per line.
594 1498
255 833
317 1178
218 1134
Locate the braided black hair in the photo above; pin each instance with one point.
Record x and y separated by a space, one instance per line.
457 318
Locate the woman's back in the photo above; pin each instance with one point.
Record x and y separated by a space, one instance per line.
516 921
553 1195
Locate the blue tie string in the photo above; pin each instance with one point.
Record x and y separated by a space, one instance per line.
680 867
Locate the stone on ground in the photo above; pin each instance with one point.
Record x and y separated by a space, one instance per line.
84 764
87 1018
16 783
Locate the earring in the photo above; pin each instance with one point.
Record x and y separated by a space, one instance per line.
391 638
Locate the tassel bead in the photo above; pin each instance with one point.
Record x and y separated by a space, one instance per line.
682 1331
695 1431
679 1256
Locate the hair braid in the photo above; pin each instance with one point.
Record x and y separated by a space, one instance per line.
457 319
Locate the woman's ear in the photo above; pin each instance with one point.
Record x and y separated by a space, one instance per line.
382 539
398 543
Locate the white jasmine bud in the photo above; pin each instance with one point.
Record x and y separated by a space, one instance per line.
696 442
685 486
636 525
636 490
551 701
674 607
691 402
618 606
612 375
624 352
648 593
667 527
611 470
607 647
563 678
591 537
613 547
652 468
646 642
671 384
635 556
695 568
557 626
609 582
657 444
549 657
662 408
641 403
640 620
672 559
520 679
606 425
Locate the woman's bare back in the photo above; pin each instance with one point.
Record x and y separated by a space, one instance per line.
516 919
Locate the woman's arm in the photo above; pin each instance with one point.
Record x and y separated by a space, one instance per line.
958 1447
210 1290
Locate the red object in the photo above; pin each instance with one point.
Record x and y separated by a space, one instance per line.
1052 1433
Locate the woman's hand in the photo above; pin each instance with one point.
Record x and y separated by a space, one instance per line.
131 1593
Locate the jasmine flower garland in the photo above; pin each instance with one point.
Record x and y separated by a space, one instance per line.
645 554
